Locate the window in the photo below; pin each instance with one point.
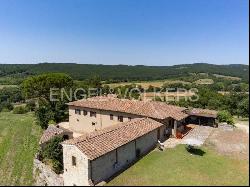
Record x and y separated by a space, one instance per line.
120 118
78 111
92 114
111 117
93 123
73 161
129 118
85 113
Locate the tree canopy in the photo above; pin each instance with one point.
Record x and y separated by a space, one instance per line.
39 86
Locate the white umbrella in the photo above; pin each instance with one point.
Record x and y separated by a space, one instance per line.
193 142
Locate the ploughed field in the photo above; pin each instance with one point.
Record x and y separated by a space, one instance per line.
19 136
176 166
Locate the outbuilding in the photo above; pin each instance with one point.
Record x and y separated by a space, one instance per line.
97 157
202 117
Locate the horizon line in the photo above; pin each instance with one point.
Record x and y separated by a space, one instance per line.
77 63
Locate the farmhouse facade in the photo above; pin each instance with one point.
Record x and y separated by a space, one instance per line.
97 113
109 134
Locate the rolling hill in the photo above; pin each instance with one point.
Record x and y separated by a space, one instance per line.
123 72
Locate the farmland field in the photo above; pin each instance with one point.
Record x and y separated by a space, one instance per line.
168 96
19 137
160 83
204 81
145 84
227 77
178 167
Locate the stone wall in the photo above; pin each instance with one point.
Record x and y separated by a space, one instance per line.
77 174
104 167
147 142
44 176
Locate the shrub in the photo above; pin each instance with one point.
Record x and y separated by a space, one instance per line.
5 110
7 106
225 116
51 122
20 110
52 152
31 105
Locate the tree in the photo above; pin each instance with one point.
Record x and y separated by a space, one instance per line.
44 114
6 105
60 111
151 88
40 86
11 94
219 86
243 107
94 82
225 116
232 102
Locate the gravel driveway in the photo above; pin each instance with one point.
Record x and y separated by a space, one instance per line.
244 127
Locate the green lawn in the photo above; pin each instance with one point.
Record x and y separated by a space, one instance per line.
177 167
18 143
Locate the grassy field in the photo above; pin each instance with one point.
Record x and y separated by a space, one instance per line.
146 84
170 96
18 143
204 81
227 77
2 86
178 167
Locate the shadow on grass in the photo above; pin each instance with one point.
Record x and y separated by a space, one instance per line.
195 151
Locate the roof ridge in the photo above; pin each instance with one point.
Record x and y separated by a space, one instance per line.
107 130
153 109
116 127
94 148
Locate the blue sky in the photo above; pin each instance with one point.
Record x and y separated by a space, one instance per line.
149 32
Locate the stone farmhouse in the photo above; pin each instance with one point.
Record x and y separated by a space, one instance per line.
107 134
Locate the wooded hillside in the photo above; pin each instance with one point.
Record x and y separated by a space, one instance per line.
123 72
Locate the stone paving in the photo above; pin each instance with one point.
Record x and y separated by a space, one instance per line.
172 142
200 133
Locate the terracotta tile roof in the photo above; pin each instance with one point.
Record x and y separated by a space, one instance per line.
49 133
101 142
153 109
203 112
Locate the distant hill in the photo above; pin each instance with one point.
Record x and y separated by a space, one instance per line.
124 72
